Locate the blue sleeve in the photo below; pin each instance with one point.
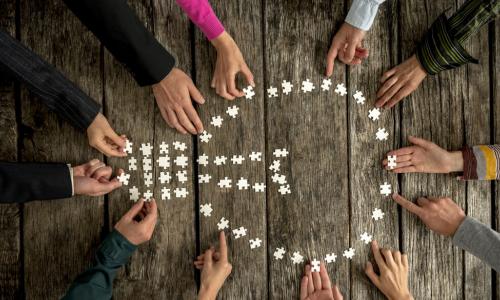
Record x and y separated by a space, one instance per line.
96 283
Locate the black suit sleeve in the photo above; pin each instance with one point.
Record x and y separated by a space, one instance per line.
23 182
56 91
123 34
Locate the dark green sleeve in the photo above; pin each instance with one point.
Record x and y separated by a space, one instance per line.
96 283
442 46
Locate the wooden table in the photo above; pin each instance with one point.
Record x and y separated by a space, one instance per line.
333 166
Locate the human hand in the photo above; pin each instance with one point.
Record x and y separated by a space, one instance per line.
317 286
393 278
215 269
399 82
102 137
229 63
440 215
173 95
137 224
347 44
94 179
425 157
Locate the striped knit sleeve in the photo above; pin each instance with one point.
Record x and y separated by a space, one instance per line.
481 162
442 46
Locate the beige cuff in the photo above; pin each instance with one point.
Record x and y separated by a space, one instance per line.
72 182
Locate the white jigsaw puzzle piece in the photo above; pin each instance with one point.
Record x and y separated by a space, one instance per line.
332 257
272 92
287 87
217 121
165 194
206 209
315 265
203 160
385 189
249 92
132 164
232 111
123 178
377 214
134 193
223 224
381 134
204 178
279 253
255 243
239 232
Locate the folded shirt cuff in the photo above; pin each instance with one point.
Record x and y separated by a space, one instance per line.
362 13
115 250
439 50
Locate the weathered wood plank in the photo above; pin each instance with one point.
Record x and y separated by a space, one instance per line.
163 266
434 112
476 97
494 72
366 153
314 219
59 236
239 136
10 248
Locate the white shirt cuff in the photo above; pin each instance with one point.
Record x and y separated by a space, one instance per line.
72 182
362 13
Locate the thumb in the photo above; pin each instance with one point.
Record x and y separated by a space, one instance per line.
371 274
336 293
106 187
115 138
349 53
420 142
207 257
134 210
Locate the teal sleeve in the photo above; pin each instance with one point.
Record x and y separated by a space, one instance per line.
96 283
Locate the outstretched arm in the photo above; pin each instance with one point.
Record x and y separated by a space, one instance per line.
201 13
55 90
480 240
125 36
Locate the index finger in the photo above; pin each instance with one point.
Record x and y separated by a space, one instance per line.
222 246
402 151
330 59
108 150
378 257
325 280
408 205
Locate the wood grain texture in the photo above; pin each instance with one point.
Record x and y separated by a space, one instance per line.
477 131
435 112
314 219
59 235
177 229
333 165
10 247
239 136
161 268
366 153
495 89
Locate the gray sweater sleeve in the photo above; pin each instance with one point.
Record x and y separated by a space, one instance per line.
480 240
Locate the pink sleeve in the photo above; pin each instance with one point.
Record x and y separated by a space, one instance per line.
200 12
